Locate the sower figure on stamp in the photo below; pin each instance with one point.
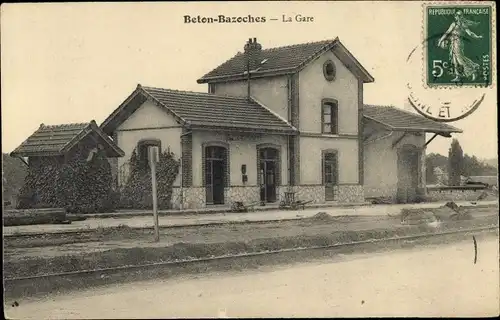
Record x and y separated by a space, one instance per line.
454 39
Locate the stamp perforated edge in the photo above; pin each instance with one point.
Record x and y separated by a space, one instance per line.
424 70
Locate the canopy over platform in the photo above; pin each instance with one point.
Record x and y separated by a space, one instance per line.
395 119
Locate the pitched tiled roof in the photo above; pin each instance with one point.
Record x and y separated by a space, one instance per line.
288 59
58 139
205 110
401 120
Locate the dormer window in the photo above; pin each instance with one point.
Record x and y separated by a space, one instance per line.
211 88
329 70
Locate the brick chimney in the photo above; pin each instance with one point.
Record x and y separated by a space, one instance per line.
252 52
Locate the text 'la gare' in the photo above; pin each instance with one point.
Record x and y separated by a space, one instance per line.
297 18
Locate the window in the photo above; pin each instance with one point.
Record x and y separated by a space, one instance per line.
329 70
268 154
143 152
329 115
211 88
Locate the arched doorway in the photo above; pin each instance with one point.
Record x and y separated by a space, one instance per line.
269 173
408 173
215 174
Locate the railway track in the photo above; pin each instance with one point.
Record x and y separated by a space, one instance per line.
104 273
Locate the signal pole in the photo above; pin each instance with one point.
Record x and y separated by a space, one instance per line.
153 155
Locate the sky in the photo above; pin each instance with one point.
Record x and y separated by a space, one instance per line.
76 62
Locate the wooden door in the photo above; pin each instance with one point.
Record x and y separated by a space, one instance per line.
330 175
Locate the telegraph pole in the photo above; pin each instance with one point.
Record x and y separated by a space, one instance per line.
153 155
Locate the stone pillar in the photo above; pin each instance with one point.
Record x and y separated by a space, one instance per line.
422 180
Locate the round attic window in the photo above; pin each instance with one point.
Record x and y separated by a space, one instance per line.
329 70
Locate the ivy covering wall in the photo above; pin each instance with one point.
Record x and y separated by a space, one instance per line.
137 191
82 182
39 188
79 184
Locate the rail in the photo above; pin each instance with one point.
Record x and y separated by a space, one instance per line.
245 255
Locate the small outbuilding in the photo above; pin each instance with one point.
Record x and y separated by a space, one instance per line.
63 142
56 178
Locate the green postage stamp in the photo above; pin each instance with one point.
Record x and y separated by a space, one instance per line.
459 44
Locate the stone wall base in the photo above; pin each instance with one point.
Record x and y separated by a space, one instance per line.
242 193
350 194
315 193
194 197
383 192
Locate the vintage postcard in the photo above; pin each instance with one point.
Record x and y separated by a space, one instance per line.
249 159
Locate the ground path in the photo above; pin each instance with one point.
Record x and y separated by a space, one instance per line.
423 282
199 219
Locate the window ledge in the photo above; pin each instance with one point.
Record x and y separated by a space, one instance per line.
332 135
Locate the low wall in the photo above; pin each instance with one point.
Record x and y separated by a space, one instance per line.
453 194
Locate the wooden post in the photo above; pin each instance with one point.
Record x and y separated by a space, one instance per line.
152 163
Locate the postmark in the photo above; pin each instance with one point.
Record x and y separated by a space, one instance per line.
459 48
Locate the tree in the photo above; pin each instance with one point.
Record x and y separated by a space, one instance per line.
433 161
14 172
455 163
474 167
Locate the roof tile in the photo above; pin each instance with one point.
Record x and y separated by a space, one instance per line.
282 58
52 139
205 109
399 119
